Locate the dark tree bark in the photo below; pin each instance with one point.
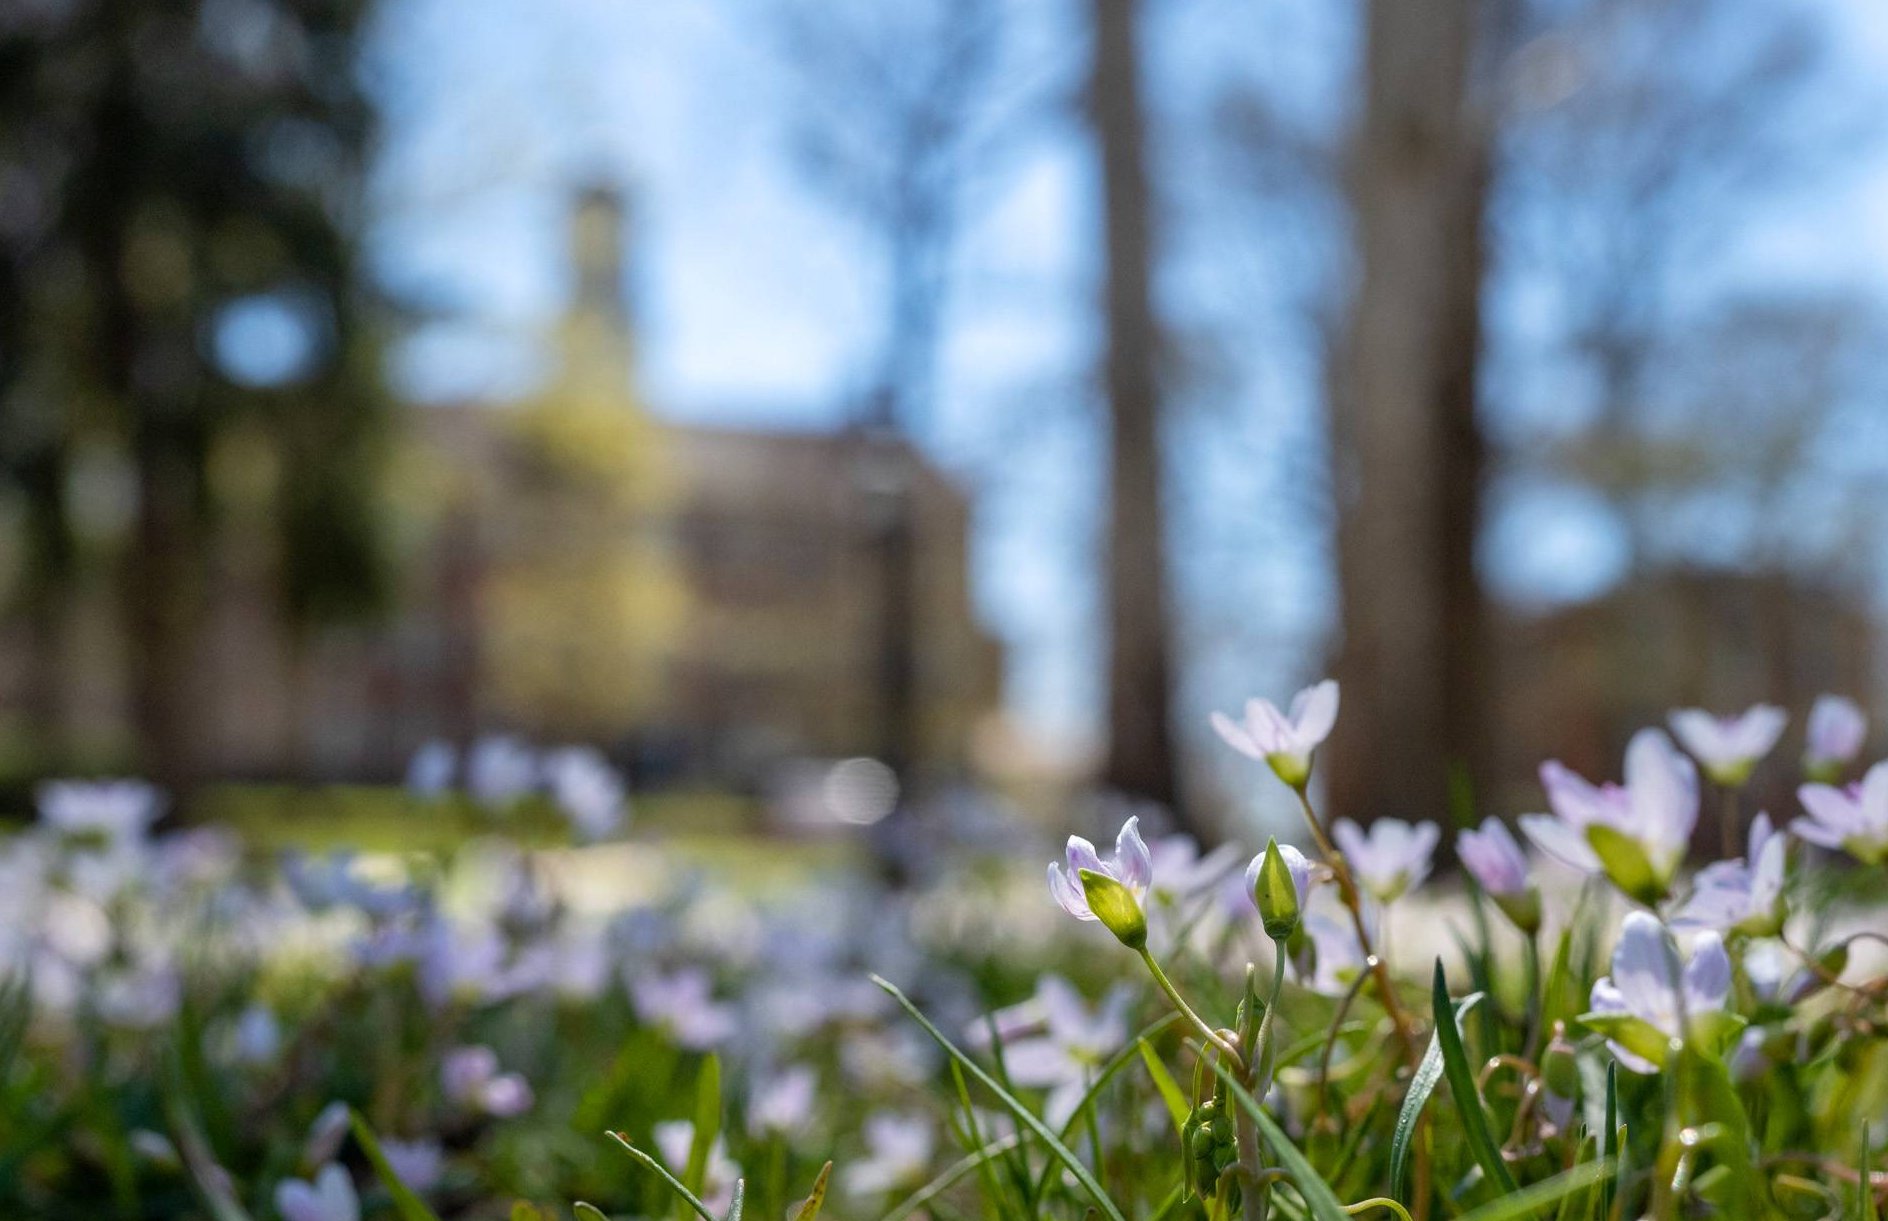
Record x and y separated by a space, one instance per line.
1409 449
1141 758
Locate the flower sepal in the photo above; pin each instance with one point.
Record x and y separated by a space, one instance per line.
1116 907
1625 861
1523 908
1275 891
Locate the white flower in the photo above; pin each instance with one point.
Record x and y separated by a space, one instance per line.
1837 729
325 1134
1655 811
417 1163
257 1036
109 811
784 1102
1745 896
1180 872
1496 860
1647 985
470 1077
1286 742
1391 858
1065 1045
1729 747
587 789
1853 819
675 1139
898 1151
1296 863
500 770
683 1004
429 772
329 1198
1337 955
1122 882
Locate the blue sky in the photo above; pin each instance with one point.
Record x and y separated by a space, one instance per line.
758 303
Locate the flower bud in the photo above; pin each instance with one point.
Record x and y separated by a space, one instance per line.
1116 907
1275 891
1523 907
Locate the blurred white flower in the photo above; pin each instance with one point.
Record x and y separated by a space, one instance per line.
675 1139
587 789
1336 957
1744 896
329 1198
471 1078
1852 820
1180 872
325 1134
1493 856
898 1152
783 1103
1391 858
1647 984
1729 747
1837 729
682 1003
257 1036
429 772
105 811
500 770
1653 812
1069 1042
417 1163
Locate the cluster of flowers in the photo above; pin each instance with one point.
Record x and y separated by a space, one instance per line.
499 771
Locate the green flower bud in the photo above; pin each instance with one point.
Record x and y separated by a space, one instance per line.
1116 907
1523 908
1275 891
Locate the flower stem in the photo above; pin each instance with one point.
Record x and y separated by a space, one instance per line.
1353 901
1186 1011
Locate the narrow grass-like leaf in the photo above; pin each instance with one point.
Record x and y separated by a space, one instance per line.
1536 1196
1866 1184
1084 1107
1318 1196
1579 1204
1023 1114
211 1186
739 1204
1170 1092
687 1197
815 1199
409 1206
1420 1087
1468 1100
707 1123
1609 1138
588 1210
947 1178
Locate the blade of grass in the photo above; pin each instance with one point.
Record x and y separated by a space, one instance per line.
1170 1092
586 1211
947 1178
1866 1207
1537 1196
688 1197
1468 1100
1609 1138
707 1123
405 1203
739 1205
1023 1114
815 1199
1085 1107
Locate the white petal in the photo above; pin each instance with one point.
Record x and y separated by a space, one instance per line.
1708 974
1133 864
1642 968
1560 840
1314 713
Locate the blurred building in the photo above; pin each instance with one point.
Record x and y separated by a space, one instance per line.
712 602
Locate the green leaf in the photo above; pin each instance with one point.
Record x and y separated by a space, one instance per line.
1865 1186
815 1199
1533 1198
1318 1196
405 1203
588 1210
1609 1138
707 1123
1420 1087
520 1211
682 1192
1170 1092
1468 1100
1023 1114
739 1205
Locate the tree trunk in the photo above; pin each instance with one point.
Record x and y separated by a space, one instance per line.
1409 449
1141 758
